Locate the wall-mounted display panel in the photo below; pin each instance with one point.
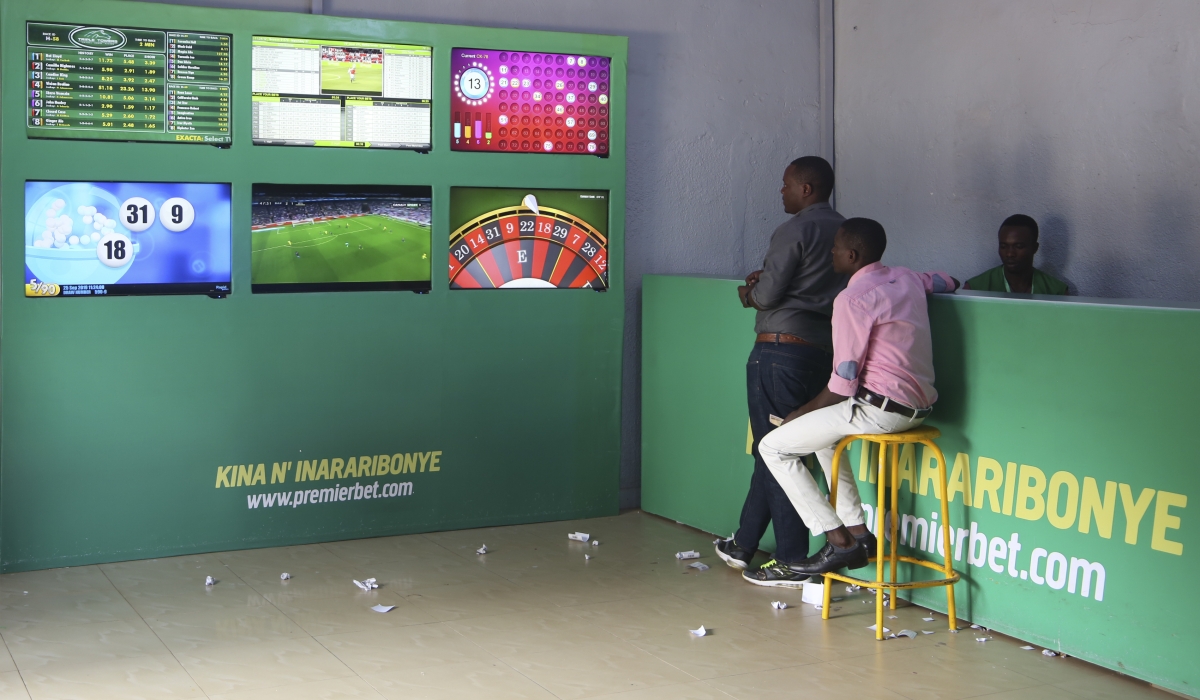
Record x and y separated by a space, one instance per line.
540 239
309 92
121 83
126 238
328 238
529 102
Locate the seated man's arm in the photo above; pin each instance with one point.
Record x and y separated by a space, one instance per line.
851 336
938 282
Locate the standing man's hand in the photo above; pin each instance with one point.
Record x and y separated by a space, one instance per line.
744 296
752 278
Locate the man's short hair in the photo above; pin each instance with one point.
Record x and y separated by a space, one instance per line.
817 172
866 236
1021 221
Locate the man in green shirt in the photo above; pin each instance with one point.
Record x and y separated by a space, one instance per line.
1018 243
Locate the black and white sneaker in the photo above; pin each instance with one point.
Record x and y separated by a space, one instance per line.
732 554
776 574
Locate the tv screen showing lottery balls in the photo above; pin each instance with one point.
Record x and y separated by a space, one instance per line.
528 239
125 238
528 102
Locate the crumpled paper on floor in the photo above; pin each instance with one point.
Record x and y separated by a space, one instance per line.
482 550
210 581
367 584
284 576
778 605
579 536
700 632
690 554
699 566
907 633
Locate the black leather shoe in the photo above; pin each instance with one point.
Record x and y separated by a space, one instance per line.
831 559
868 540
732 554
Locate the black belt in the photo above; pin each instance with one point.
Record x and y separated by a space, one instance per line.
883 403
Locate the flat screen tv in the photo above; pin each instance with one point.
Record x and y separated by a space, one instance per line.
310 92
506 238
125 238
328 238
530 102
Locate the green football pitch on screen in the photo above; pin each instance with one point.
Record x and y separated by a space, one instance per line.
349 77
357 249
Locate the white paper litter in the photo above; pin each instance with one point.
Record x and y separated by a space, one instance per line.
690 554
1047 652
586 557
482 550
698 566
1027 648
982 639
382 608
814 593
926 632
579 536
700 632
976 627
595 543
367 584
891 617
851 589
210 581
284 576
818 606
907 633
778 605
927 619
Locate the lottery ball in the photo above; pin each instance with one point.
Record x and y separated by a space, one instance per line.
176 214
115 250
137 214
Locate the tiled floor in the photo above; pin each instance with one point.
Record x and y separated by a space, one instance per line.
530 619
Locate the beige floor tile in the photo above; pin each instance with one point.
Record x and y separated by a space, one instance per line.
1040 692
530 632
6 661
189 630
478 599
76 579
641 617
597 669
38 608
245 667
336 689
170 572
817 681
473 680
727 650
933 673
1114 687
351 612
418 646
140 678
12 687
47 645
698 690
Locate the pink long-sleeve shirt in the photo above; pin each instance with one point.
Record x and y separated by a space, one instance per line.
881 335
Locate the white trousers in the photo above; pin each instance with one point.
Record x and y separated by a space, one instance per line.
819 432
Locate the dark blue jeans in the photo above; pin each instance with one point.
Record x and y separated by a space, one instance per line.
779 379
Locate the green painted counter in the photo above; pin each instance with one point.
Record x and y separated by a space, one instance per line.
1065 425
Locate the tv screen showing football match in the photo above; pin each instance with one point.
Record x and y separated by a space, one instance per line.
507 238
326 238
121 83
308 92
530 102
124 238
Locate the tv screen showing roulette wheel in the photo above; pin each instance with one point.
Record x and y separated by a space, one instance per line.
529 102
528 238
330 238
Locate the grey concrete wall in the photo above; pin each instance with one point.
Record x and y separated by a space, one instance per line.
721 96
1085 114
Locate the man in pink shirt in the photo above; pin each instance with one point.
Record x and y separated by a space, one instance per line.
882 382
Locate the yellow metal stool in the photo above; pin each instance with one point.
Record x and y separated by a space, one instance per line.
924 435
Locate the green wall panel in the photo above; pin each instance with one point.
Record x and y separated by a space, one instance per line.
118 412
1052 409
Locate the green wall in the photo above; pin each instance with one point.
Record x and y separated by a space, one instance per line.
1070 418
119 413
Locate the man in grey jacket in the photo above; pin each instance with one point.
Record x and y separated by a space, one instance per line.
791 360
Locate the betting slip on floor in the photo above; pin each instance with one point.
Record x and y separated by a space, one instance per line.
537 616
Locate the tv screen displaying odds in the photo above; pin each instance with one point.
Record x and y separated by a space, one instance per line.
126 84
309 92
126 238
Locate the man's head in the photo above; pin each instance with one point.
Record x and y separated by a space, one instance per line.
806 181
858 243
1018 242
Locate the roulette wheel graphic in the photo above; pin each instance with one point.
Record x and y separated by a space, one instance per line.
557 242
